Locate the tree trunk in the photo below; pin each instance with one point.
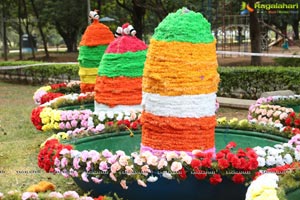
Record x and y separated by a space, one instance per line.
70 38
138 19
20 31
296 29
40 29
5 47
255 36
30 38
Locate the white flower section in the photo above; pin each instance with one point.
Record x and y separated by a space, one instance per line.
118 108
180 106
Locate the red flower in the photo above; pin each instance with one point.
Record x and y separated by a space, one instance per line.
134 125
297 122
238 178
58 85
206 162
296 131
292 114
35 117
99 198
220 155
230 145
182 174
241 153
236 162
110 123
196 163
253 164
257 174
199 174
223 163
288 121
50 96
215 179
243 164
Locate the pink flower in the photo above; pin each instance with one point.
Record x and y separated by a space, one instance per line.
55 195
71 195
64 162
112 176
68 125
84 155
145 170
94 155
76 161
74 123
84 177
88 165
123 160
283 116
96 180
152 160
62 125
176 166
162 163
171 155
129 170
73 173
115 167
106 153
141 183
123 184
103 166
29 195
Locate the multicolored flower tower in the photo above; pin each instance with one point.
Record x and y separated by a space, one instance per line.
119 81
179 85
93 44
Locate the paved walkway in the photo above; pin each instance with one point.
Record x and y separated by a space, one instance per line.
235 103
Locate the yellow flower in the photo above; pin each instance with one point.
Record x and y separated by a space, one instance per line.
269 193
46 112
56 115
63 135
243 122
45 120
233 121
222 120
56 125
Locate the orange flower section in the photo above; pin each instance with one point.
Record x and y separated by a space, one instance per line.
181 134
86 87
118 91
96 34
187 68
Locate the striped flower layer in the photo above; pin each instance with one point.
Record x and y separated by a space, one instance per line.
119 80
180 82
92 47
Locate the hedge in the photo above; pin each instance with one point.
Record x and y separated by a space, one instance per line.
40 74
242 82
252 81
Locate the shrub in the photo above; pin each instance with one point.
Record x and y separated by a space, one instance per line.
252 81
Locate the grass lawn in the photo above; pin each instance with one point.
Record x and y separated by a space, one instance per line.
19 147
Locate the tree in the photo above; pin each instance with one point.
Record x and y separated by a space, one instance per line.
68 17
40 27
255 35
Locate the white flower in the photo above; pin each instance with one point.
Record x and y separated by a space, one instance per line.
176 166
1 195
259 151
101 116
123 160
152 179
288 159
152 160
270 160
297 155
261 161
171 155
288 145
273 152
91 122
119 116
167 175
29 195
71 195
279 160
55 195
137 160
110 114
278 146
162 163
86 198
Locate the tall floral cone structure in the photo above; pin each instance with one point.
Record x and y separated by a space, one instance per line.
119 81
93 44
179 85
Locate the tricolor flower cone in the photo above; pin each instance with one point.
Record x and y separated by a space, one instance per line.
119 81
179 85
93 44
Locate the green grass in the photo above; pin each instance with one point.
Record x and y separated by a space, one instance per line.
19 147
